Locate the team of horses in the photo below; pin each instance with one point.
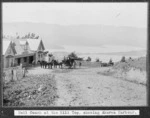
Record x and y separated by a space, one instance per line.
53 63
56 64
71 63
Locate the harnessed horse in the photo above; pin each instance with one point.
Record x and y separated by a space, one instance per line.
56 63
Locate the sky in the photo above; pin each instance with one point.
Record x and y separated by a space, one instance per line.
116 14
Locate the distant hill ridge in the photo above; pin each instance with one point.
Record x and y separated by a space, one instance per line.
87 35
129 53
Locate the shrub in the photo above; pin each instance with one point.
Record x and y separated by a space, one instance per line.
123 59
110 61
89 59
73 55
97 60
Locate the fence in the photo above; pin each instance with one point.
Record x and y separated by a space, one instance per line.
13 74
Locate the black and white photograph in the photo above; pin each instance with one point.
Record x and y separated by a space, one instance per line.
74 54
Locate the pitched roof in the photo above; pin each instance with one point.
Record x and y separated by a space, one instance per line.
34 44
42 44
6 44
17 47
22 42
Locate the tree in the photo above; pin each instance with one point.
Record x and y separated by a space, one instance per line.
50 55
36 37
18 37
130 58
123 59
97 60
89 59
30 36
73 55
26 36
110 61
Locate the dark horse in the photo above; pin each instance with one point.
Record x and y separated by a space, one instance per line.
41 63
49 64
45 64
56 63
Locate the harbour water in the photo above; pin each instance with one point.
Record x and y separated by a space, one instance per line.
96 52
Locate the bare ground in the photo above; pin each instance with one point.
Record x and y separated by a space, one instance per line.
83 87
36 89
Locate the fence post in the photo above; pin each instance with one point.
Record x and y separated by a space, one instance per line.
23 70
12 74
15 76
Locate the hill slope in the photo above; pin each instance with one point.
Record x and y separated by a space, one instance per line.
132 70
87 35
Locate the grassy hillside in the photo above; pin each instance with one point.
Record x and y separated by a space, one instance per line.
131 70
139 63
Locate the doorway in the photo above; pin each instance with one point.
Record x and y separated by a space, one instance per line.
18 61
31 59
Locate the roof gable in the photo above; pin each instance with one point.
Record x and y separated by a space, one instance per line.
6 44
7 48
41 46
33 44
17 47
22 42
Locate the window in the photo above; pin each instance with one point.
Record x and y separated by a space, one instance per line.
25 59
19 60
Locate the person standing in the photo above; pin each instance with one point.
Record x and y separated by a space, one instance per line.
74 64
80 64
21 65
12 74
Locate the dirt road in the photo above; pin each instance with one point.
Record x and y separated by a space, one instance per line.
84 87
